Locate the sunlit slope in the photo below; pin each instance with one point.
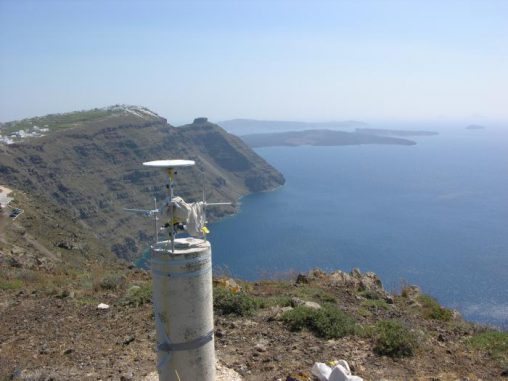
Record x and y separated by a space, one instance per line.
93 169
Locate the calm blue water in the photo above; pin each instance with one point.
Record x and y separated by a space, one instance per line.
434 214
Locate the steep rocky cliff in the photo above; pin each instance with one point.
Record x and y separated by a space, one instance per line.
89 163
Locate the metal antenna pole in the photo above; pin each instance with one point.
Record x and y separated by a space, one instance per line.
203 179
155 220
203 234
172 226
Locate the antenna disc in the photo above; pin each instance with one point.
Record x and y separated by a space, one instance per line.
169 163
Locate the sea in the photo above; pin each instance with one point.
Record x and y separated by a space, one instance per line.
434 214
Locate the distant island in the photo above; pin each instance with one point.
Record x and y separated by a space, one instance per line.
319 138
475 127
250 126
384 132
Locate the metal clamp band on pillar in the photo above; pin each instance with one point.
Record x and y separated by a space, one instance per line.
194 344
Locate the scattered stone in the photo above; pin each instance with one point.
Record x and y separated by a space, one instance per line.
300 376
302 279
357 281
317 273
67 245
456 315
37 374
340 278
411 292
16 250
260 347
414 303
226 374
154 376
369 281
297 302
228 283
128 340
249 323
13 262
68 351
312 305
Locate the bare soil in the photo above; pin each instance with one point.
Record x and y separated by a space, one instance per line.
69 338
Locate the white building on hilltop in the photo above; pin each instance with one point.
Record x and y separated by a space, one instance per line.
4 200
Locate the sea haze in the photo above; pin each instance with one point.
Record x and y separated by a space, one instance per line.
433 214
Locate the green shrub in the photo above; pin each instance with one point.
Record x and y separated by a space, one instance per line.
317 294
431 309
364 312
28 276
110 282
328 322
272 301
375 304
10 284
495 343
239 303
393 339
138 295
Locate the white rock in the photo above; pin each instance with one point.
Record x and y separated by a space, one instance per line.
313 305
103 306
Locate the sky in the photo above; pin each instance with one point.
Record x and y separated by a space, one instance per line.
280 60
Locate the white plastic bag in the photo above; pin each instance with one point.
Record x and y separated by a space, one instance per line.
321 371
339 372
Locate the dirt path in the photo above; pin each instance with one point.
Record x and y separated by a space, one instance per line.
4 193
4 215
42 249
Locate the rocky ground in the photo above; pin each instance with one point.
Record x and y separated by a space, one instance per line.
65 336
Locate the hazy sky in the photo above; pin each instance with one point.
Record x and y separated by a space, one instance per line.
301 60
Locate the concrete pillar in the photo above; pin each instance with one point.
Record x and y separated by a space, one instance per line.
183 309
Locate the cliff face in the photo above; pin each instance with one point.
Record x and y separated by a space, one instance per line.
93 169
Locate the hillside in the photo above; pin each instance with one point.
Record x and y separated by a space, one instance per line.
319 138
89 164
267 330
